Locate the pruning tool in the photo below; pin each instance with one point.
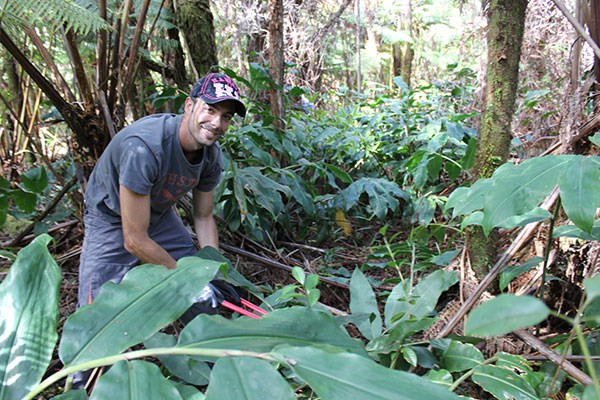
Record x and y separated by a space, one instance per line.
222 293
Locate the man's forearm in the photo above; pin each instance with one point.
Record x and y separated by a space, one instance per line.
206 231
148 251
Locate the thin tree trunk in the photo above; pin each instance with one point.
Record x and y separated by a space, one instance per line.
195 20
276 66
506 21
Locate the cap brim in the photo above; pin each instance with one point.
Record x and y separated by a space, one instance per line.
240 108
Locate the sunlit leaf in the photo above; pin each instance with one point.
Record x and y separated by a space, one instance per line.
336 375
29 319
513 271
148 298
296 326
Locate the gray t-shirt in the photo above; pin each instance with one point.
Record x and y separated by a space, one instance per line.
147 158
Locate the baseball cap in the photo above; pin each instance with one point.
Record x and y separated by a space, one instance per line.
215 88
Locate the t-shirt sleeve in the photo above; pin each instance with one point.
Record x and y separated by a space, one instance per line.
138 166
212 171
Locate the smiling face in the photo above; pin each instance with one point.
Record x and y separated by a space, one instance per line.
203 124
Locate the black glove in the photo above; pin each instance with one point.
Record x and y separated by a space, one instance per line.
216 291
226 291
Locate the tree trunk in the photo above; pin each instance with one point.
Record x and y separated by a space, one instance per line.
403 53
195 20
276 66
506 21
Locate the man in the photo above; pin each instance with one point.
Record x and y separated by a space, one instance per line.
129 215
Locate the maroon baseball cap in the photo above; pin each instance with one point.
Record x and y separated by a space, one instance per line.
215 88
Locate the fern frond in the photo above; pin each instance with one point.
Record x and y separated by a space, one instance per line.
78 15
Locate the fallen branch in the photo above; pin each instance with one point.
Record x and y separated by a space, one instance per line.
554 357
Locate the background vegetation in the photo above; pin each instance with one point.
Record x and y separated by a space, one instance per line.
349 200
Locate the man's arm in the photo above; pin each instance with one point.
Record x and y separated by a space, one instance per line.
204 221
135 218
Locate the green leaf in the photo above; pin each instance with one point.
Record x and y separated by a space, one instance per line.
297 326
513 271
188 392
592 287
461 356
182 366
363 301
72 395
466 200
299 275
517 189
29 319
503 383
504 314
35 180
26 201
383 195
148 298
402 302
132 380
245 378
338 375
580 191
592 314
574 232
521 366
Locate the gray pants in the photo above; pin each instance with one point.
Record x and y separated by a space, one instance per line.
103 255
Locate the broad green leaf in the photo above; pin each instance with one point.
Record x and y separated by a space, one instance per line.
513 271
29 319
535 215
188 392
580 191
466 200
521 366
517 189
296 326
148 298
26 201
363 301
298 191
592 314
592 287
35 180
336 375
383 195
574 232
182 366
246 378
339 173
503 383
461 356
402 303
133 380
441 377
504 314
409 355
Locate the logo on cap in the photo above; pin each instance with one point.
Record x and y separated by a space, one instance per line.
214 88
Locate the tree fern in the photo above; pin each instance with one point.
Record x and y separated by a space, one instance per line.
78 15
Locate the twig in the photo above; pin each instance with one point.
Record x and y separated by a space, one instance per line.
272 263
556 358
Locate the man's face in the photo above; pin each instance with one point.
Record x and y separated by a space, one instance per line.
206 123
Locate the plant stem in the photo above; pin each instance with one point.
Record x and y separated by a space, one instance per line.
101 362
